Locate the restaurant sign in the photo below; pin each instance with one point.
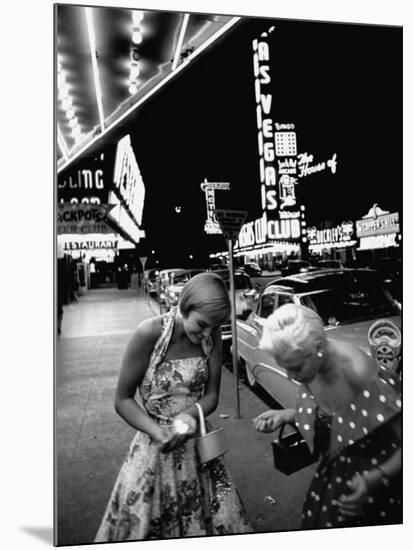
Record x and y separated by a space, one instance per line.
109 242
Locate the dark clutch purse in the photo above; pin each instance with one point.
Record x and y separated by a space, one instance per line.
291 452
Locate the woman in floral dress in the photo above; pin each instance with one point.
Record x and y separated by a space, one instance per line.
350 410
163 490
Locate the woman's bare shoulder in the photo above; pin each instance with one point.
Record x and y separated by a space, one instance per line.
148 331
360 369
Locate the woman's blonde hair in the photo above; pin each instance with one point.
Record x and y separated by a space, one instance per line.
206 292
292 328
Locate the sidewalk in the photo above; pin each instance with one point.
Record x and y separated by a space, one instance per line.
92 440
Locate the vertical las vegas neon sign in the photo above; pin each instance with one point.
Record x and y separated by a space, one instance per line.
277 150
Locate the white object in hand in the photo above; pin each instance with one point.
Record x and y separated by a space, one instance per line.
180 426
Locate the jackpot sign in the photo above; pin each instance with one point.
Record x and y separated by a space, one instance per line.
82 218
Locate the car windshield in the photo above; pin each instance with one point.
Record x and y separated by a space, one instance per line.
349 304
241 281
298 263
180 279
328 263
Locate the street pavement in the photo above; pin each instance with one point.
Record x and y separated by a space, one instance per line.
91 440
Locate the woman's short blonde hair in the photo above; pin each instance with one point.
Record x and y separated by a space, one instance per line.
206 292
290 329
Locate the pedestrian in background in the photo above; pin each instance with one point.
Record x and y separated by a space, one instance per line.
163 490
349 405
62 291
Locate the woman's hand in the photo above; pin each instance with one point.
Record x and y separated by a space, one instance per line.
161 434
352 503
183 426
269 421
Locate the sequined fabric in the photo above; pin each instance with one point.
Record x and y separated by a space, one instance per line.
168 495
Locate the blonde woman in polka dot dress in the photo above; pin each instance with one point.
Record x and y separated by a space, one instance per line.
349 411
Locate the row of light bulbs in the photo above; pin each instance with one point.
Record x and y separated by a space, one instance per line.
137 17
67 103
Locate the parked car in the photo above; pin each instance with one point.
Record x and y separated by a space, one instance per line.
349 301
296 266
164 280
391 271
151 281
245 297
215 267
177 281
252 269
329 264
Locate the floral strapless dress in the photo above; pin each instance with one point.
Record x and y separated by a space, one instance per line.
169 495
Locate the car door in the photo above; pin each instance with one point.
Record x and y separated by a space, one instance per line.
264 368
242 284
249 331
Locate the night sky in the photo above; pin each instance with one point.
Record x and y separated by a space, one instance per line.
341 85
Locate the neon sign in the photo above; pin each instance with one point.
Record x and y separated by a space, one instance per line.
209 187
377 222
277 142
83 218
109 242
262 230
378 241
305 169
121 217
127 179
85 179
330 236
87 184
263 97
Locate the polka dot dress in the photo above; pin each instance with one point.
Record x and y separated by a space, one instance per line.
330 482
360 438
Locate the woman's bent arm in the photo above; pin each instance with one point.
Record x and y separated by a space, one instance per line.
209 400
134 365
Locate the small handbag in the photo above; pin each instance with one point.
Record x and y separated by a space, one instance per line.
291 452
212 444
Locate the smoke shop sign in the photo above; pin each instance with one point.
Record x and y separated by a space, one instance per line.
377 222
331 236
378 229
